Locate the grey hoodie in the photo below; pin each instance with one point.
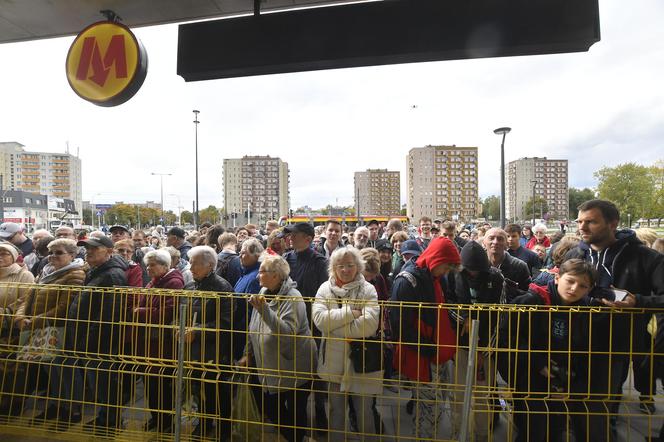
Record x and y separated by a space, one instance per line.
280 339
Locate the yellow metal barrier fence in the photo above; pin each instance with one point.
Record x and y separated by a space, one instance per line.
110 367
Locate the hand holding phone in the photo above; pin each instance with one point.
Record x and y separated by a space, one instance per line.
619 295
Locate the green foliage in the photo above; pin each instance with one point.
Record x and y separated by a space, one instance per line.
576 197
210 214
129 215
633 188
186 217
541 208
491 207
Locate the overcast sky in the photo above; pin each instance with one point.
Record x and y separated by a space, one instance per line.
596 109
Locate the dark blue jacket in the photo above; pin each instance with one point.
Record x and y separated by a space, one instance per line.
529 257
229 267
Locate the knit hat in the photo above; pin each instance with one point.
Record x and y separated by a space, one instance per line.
440 251
10 248
474 258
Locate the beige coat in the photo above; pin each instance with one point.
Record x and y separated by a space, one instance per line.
50 300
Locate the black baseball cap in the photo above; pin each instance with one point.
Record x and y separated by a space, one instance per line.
305 228
102 241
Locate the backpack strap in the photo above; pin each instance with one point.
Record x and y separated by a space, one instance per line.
542 292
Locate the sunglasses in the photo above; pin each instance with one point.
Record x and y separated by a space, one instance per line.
57 253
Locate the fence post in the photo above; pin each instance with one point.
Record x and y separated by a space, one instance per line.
470 378
179 381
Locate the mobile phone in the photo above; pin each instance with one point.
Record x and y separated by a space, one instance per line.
619 295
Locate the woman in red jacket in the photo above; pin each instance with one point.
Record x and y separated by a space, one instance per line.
156 309
539 237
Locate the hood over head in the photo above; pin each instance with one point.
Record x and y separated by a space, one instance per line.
440 251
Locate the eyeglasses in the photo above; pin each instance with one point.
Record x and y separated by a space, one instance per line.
57 253
265 271
345 266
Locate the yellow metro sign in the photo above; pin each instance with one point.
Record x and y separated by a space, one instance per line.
106 64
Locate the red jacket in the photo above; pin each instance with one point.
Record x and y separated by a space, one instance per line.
546 242
134 275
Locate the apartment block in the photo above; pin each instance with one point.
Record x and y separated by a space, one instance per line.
378 192
259 184
548 179
56 175
442 182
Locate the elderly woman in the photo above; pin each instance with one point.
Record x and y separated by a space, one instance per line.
281 348
43 306
539 237
346 307
134 272
156 309
250 251
275 243
181 264
212 347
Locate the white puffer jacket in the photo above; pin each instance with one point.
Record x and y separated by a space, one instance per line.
332 314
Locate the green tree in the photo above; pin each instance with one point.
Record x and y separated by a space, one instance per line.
657 206
186 217
209 214
576 197
541 208
491 207
87 216
631 187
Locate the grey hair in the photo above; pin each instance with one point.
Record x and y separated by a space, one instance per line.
341 253
68 244
362 229
276 264
206 253
252 246
175 253
539 227
161 257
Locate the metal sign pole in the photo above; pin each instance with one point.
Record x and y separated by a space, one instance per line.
470 377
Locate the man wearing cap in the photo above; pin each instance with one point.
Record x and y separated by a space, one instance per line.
92 327
118 233
308 269
15 234
175 238
408 249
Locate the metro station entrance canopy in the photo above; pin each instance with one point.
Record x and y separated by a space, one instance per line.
253 37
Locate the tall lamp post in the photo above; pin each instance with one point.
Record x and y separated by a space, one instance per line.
196 112
161 180
534 183
502 131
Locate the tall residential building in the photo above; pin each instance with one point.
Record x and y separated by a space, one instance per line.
378 192
56 175
548 178
260 183
442 182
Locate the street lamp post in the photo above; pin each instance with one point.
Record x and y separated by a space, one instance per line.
196 219
502 131
161 180
534 183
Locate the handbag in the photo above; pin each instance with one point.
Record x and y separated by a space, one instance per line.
367 354
43 344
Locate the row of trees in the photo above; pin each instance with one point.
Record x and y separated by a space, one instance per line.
130 215
638 191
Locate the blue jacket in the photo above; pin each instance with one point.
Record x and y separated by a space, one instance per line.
527 256
248 282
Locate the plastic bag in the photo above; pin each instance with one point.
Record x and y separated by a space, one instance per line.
246 417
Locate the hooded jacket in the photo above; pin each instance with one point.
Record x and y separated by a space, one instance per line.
94 314
280 340
418 328
630 265
485 288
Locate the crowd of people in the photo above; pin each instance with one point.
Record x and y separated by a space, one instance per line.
300 306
